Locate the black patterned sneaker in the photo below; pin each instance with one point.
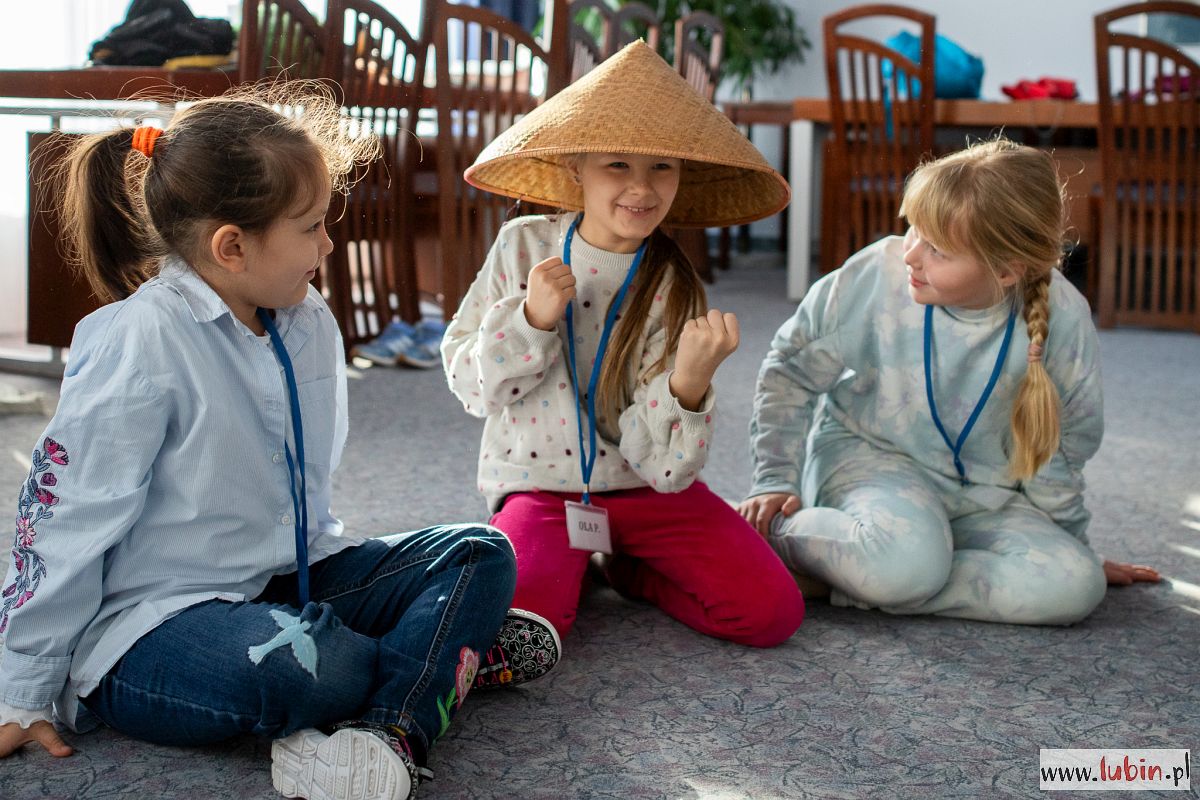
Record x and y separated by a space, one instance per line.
526 647
356 762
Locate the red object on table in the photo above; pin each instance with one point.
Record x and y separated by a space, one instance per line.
1056 88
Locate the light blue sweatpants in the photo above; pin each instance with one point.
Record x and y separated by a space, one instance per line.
886 533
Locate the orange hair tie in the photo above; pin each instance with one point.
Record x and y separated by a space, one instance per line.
144 138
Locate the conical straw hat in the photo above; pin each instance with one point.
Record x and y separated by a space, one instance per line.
634 103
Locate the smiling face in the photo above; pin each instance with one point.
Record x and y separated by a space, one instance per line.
625 197
284 258
937 276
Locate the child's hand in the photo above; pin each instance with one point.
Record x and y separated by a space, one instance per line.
704 343
762 508
1120 574
551 287
13 737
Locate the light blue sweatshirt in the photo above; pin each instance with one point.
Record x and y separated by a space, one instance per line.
849 366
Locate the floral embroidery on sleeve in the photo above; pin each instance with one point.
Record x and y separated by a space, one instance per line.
33 506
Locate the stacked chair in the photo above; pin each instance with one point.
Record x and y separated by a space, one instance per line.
1148 208
882 108
371 275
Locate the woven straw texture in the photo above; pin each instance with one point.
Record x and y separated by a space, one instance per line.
634 103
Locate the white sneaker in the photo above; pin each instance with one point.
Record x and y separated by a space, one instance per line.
350 764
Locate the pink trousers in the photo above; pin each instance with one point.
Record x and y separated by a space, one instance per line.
688 553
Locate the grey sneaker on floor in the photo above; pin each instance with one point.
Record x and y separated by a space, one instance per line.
385 349
526 647
350 764
424 350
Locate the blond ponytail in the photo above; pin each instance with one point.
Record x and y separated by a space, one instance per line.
1035 417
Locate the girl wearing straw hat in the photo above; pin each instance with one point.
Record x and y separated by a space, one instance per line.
586 343
951 385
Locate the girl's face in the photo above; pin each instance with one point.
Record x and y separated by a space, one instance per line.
939 277
625 197
286 256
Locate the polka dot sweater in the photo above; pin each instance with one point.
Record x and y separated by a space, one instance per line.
518 377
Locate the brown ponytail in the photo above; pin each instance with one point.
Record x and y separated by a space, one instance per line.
108 236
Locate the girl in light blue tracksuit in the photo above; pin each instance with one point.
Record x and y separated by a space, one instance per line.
921 424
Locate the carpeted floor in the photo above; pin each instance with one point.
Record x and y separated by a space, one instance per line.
856 704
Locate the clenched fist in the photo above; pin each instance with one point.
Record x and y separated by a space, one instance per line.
704 343
551 288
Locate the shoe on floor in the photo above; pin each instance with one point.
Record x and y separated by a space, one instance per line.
424 350
385 349
350 764
527 647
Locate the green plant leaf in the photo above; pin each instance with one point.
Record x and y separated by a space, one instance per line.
761 36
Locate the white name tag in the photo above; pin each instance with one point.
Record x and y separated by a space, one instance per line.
587 528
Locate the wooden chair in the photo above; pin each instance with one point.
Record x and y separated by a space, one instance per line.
370 278
59 296
882 109
278 36
490 72
699 43
588 50
1149 207
633 21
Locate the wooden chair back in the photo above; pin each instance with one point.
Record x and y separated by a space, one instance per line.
278 36
490 73
882 109
631 22
1149 100
699 44
588 49
370 278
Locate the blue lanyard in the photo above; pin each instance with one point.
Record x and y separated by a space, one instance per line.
299 500
587 460
956 448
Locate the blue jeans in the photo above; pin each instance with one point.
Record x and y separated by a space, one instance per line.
389 637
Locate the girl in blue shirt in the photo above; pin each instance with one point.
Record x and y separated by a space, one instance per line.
176 570
921 424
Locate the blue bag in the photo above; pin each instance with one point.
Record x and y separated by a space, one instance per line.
957 73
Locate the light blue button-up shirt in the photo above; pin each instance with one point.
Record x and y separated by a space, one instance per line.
161 483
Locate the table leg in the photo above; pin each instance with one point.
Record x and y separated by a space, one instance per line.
806 190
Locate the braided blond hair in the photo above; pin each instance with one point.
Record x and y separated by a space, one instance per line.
1035 416
1003 203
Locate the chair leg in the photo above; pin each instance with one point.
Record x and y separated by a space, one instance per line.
1092 270
723 242
694 244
